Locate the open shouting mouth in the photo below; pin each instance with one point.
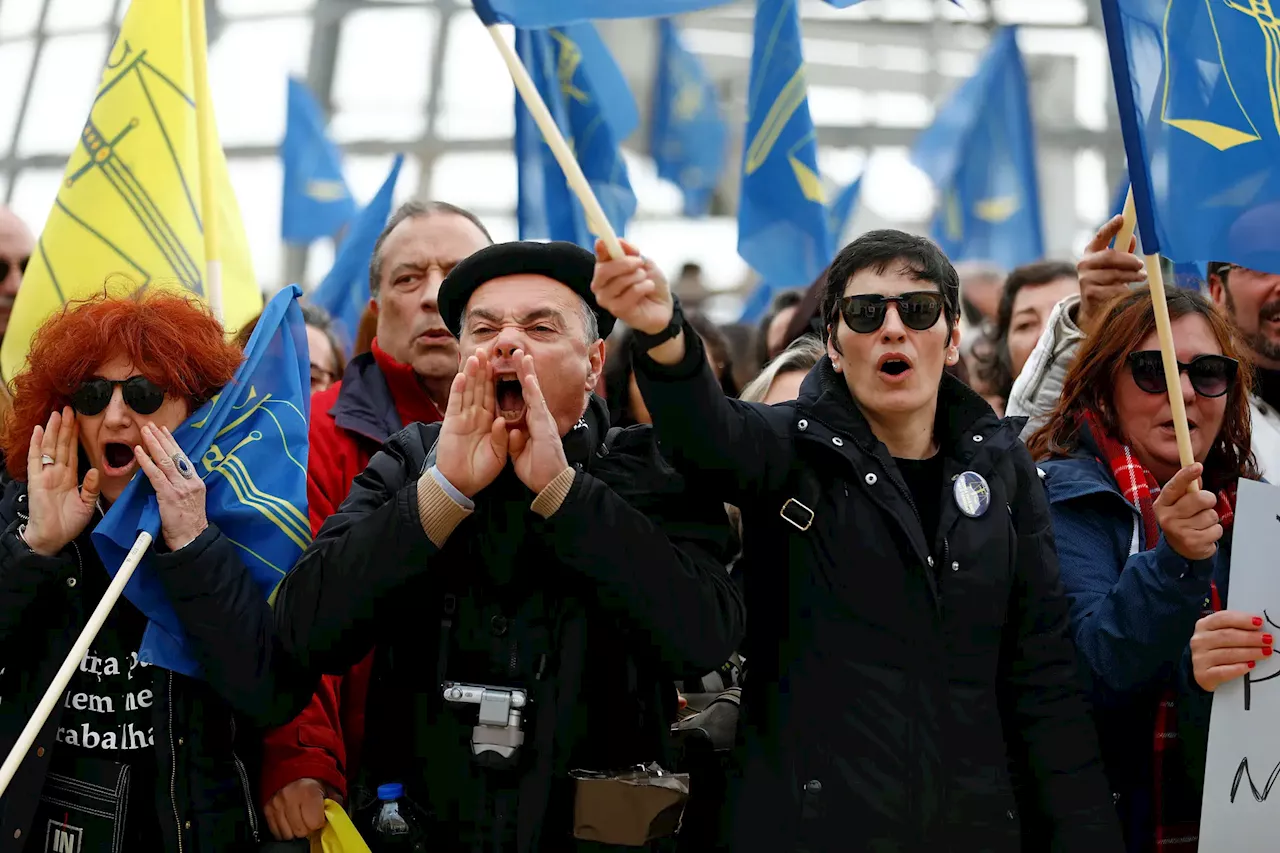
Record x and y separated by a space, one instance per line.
894 368
509 397
117 459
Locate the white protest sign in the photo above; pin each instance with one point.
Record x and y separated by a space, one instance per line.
1241 807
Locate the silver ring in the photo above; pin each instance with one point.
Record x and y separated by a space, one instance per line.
45 459
183 465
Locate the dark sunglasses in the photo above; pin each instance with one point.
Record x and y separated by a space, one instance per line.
1210 375
918 310
7 265
140 394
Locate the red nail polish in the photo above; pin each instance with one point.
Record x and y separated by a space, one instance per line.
1257 621
1267 639
1266 651
1250 664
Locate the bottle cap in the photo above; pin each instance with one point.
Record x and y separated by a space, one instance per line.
392 791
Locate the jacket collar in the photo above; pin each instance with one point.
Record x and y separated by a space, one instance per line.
365 405
964 427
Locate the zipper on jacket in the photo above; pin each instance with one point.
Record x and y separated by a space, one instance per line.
244 783
173 768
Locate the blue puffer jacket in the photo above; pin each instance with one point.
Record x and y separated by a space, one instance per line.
1133 610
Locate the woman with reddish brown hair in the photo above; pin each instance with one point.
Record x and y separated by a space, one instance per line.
133 758
1144 550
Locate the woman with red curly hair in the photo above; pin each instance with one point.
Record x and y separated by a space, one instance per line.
133 758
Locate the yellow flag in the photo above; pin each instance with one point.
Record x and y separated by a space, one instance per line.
130 204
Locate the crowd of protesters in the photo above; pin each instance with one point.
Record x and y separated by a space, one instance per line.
538 480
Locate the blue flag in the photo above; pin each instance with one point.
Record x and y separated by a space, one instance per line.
687 133
782 222
839 214
344 292
980 153
840 211
316 201
1198 89
249 445
588 97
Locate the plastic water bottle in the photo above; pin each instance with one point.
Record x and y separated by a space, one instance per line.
392 829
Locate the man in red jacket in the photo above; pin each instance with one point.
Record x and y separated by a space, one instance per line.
404 379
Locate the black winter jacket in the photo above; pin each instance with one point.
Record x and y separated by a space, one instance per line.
206 746
903 691
632 564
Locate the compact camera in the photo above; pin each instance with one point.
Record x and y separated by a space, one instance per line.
499 730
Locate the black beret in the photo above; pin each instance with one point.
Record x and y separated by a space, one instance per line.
567 263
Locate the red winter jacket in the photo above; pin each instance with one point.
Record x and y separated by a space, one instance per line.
350 420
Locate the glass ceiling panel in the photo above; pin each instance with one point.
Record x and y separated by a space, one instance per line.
19 17
366 173
482 182
64 15
33 193
62 93
233 8
249 68
15 68
894 188
383 73
477 97
257 183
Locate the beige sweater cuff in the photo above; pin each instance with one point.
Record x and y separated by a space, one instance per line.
549 499
438 513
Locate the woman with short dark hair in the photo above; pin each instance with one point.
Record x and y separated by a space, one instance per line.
911 684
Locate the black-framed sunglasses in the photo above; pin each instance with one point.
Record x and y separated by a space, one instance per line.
140 394
864 313
6 266
1210 375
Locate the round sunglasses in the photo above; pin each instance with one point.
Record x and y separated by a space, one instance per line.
865 312
140 394
1210 375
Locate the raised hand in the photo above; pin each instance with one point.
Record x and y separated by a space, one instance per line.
472 448
537 451
60 507
632 289
1106 273
179 489
1188 519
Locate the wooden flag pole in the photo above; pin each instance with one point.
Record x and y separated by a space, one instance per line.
53 695
596 220
1172 378
1164 331
1130 222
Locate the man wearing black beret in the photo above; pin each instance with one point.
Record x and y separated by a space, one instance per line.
532 582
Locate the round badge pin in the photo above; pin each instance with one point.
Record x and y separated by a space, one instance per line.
972 494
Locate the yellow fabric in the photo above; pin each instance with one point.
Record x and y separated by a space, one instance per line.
128 210
339 834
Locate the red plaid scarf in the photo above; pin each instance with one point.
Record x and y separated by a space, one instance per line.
1180 831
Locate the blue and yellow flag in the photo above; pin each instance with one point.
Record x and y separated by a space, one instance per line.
130 200
345 291
782 219
980 153
316 202
249 445
839 214
687 133
588 97
1198 89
